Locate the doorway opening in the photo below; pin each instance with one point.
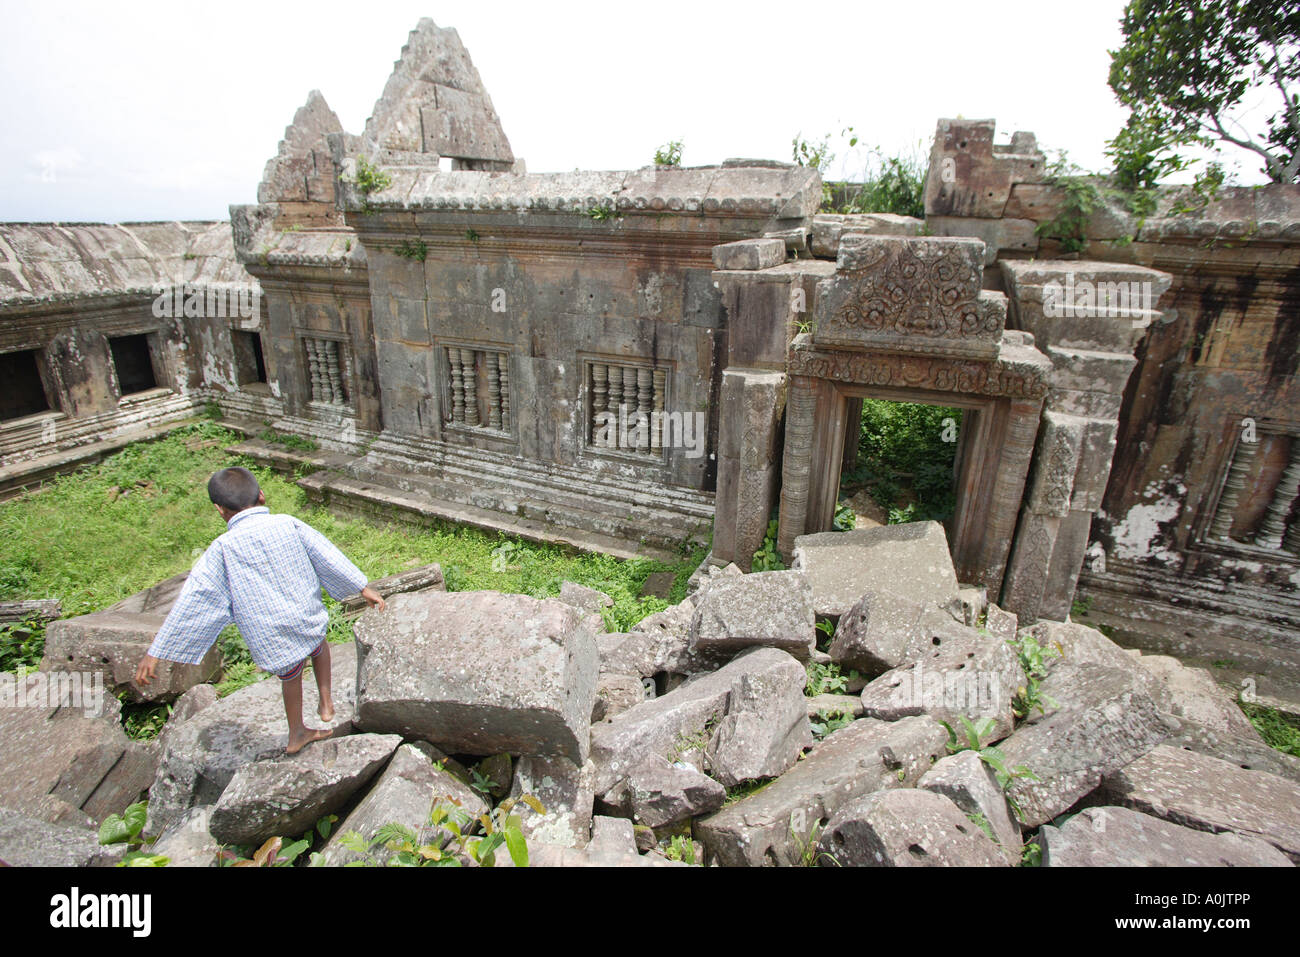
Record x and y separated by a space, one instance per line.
900 463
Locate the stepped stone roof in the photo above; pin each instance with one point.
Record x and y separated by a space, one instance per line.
52 262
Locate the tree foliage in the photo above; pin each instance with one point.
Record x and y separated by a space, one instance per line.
1187 66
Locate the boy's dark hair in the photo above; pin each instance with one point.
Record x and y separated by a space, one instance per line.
234 489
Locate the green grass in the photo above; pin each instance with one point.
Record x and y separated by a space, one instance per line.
1277 729
72 540
905 459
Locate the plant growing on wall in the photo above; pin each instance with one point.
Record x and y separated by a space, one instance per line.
670 154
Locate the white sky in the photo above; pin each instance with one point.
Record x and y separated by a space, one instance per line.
142 110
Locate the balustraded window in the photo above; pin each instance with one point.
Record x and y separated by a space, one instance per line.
479 381
1259 501
626 407
325 370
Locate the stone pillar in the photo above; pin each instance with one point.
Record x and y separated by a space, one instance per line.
751 404
1088 318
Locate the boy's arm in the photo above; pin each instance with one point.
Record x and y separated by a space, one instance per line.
337 574
201 611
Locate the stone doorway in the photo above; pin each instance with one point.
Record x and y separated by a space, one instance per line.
994 447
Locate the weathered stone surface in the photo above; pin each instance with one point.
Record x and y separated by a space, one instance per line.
405 793
584 598
961 673
660 792
612 835
478 672
772 609
910 559
548 855
1194 696
765 724
835 704
79 755
1120 837
31 842
1105 721
766 734
970 784
884 630
201 755
565 791
435 103
417 579
616 694
770 826
188 843
112 641
1001 623
286 796
1208 794
749 254
657 643
905 828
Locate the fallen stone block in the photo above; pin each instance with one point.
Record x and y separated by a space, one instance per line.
405 793
583 598
767 733
969 783
749 254
661 792
612 835
905 828
30 842
767 609
1001 624
1105 721
963 673
200 755
658 643
38 609
565 792
1120 837
189 843
1194 696
910 559
417 579
285 797
1251 753
775 824
478 673
1205 793
112 642
548 855
883 630
62 745
616 694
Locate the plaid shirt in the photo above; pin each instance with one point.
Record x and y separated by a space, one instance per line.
265 574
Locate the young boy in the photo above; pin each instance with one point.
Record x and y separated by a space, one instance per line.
265 574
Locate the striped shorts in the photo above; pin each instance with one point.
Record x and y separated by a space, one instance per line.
296 670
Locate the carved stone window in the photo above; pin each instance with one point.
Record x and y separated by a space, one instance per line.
133 363
325 368
479 384
24 393
626 407
1259 499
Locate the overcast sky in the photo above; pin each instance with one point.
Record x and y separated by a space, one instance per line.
136 111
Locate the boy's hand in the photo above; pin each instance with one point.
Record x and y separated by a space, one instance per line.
145 671
373 598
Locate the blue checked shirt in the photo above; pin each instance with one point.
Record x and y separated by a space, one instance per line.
264 574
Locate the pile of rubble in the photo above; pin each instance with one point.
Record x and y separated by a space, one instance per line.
699 724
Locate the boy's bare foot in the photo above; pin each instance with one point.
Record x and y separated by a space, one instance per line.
326 711
297 743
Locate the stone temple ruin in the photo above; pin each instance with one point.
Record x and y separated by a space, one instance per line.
626 361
